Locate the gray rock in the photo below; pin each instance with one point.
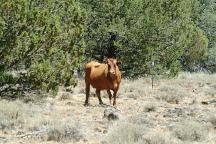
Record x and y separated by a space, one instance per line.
111 114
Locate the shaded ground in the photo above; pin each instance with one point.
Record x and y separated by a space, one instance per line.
181 111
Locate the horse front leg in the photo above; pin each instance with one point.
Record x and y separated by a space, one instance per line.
99 97
110 96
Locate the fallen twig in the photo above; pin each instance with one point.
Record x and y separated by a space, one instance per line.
6 139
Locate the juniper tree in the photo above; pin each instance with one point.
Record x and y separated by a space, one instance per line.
205 18
42 38
141 32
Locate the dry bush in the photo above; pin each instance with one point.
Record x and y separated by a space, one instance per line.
134 88
17 114
126 133
138 133
62 131
57 128
36 122
189 131
6 122
63 95
198 81
150 107
212 120
209 91
11 113
160 138
79 89
36 117
133 95
143 120
171 94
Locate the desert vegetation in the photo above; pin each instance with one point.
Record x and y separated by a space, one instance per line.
143 115
167 50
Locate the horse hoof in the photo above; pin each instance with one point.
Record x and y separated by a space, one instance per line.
86 104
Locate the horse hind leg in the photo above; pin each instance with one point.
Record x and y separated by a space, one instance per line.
87 94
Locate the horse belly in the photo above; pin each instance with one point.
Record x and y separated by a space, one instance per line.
101 84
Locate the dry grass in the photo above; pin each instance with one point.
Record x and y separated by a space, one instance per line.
200 83
170 113
134 88
27 118
11 113
171 94
64 131
160 138
212 120
127 133
138 133
150 107
188 130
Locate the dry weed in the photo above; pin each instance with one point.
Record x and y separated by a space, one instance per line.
187 130
171 93
64 131
11 113
150 107
160 138
134 88
134 133
212 120
126 133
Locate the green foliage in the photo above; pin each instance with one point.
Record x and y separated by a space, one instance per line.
143 32
205 18
196 50
42 43
44 38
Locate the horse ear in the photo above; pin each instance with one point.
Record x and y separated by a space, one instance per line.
106 60
119 62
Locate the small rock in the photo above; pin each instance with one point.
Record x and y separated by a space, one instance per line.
105 131
20 133
98 130
69 89
111 114
69 103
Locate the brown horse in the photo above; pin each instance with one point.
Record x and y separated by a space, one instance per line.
102 76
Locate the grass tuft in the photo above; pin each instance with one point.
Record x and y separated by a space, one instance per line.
126 133
171 94
64 131
212 120
150 107
189 131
